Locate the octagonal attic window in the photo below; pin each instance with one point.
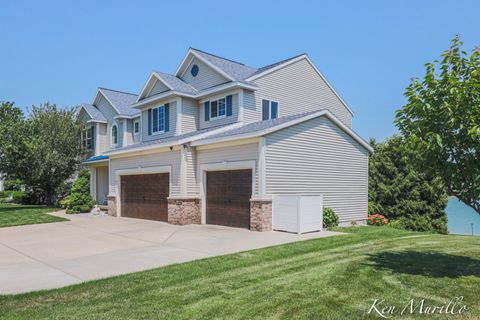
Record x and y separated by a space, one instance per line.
194 70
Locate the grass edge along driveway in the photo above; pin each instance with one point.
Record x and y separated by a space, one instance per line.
329 278
17 215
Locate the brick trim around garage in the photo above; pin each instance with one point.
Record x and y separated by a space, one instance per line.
183 211
261 215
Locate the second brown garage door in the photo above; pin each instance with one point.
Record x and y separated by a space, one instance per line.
145 196
228 198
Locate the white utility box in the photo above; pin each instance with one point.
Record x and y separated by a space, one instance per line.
297 213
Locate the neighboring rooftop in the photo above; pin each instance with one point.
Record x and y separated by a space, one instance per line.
93 112
236 70
176 83
121 101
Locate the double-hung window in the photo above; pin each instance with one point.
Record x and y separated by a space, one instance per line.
158 119
136 127
218 108
87 138
269 109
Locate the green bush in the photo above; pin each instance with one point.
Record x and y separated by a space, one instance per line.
18 197
5 194
401 193
79 199
330 218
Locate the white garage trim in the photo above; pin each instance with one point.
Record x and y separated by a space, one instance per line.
137 171
221 166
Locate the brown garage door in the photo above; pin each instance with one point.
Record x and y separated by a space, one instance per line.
228 198
145 196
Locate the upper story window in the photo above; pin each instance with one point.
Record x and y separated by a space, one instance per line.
136 127
219 108
269 109
87 138
158 119
114 135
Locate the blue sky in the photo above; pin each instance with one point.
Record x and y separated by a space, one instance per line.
61 51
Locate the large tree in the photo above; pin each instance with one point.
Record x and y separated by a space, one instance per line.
415 199
441 122
44 150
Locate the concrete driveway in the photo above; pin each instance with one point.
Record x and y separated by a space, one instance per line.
88 247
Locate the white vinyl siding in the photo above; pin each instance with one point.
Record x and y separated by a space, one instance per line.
169 158
173 121
249 107
297 88
158 87
317 157
206 77
191 173
102 143
189 115
234 153
222 120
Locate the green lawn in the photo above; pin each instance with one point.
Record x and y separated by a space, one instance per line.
330 278
16 215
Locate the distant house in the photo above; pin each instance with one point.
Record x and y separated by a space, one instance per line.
213 142
2 181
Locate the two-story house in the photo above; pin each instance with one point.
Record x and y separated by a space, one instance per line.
213 142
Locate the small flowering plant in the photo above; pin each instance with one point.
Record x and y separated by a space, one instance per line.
377 220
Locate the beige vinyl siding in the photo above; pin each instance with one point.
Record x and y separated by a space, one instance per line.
206 77
189 115
119 125
101 143
317 157
157 88
129 132
249 107
220 121
169 158
233 153
109 112
172 121
298 88
191 174
137 137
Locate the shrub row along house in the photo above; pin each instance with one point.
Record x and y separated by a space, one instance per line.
215 141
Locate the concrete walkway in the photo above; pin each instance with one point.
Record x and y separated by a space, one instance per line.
88 247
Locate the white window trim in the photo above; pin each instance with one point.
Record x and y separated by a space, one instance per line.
210 109
139 129
112 143
270 108
154 133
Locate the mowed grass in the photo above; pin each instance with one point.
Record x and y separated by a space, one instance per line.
16 215
329 278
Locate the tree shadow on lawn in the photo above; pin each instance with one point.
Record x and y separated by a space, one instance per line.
431 264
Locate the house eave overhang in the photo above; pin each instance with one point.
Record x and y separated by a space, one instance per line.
264 132
204 93
96 121
173 143
185 62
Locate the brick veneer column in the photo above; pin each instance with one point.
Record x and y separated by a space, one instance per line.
260 215
184 211
112 205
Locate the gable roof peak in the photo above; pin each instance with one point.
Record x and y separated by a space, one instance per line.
216 56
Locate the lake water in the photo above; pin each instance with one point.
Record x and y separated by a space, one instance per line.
460 218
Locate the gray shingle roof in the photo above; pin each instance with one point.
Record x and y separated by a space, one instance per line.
93 112
121 101
259 125
170 140
176 83
273 65
237 70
